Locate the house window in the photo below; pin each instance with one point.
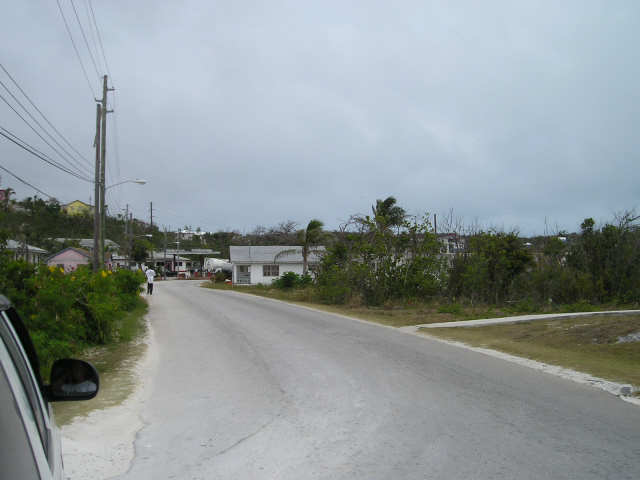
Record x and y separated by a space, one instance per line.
270 270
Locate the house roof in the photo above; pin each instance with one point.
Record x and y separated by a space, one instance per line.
79 250
15 246
77 201
86 242
248 254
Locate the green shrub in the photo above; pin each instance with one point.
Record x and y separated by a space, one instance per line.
65 312
290 280
287 281
452 308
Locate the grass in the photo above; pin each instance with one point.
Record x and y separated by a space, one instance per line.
585 344
115 364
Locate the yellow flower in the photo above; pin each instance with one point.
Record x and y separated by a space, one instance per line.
52 269
73 278
110 272
62 270
104 274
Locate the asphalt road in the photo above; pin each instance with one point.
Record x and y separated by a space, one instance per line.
248 388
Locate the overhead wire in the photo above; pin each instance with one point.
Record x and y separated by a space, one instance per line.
99 38
43 129
40 155
41 114
36 132
28 184
93 37
76 49
85 38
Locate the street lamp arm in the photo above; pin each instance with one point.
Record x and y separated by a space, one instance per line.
140 182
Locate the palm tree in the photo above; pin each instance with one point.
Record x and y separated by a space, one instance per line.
309 240
388 210
7 196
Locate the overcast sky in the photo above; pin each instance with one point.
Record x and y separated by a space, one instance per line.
243 113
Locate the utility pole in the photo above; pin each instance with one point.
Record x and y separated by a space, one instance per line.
96 207
130 241
103 155
153 260
126 238
164 267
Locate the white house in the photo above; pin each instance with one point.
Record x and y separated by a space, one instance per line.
254 265
22 251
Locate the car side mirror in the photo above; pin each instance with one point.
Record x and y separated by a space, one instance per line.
73 380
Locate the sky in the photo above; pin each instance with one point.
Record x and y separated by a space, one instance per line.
517 115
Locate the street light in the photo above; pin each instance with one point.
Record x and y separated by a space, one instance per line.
139 182
99 219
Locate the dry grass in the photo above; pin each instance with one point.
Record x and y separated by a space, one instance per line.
588 344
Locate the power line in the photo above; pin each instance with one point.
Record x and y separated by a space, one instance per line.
99 39
14 175
41 114
85 39
76 49
42 128
32 151
34 130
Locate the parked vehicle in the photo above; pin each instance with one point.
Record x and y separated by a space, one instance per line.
30 446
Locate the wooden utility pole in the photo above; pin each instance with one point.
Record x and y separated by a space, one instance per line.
103 155
96 207
126 238
153 261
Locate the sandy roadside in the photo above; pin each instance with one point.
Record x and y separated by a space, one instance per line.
100 445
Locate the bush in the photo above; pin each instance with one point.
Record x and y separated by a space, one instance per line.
290 280
65 312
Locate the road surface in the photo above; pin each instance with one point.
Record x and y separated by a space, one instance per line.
248 388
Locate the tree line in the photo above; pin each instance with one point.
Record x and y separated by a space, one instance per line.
388 256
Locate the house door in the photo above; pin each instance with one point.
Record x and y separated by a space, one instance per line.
243 275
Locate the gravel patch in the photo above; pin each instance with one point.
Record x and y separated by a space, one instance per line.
100 445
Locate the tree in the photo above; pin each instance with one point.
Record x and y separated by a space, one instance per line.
139 250
610 257
377 265
488 270
309 240
387 211
7 196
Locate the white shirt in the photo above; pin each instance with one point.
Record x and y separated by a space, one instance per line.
150 273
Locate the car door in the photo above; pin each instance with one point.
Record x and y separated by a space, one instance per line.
30 441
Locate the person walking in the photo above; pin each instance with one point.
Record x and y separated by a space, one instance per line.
150 273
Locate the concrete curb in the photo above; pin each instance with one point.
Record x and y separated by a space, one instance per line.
522 318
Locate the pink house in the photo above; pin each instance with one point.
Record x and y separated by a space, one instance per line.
69 259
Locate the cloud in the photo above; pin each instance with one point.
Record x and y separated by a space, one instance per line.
246 113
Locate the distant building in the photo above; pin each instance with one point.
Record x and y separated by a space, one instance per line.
71 258
28 253
77 208
253 265
87 243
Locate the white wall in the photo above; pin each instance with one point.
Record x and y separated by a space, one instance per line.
257 276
